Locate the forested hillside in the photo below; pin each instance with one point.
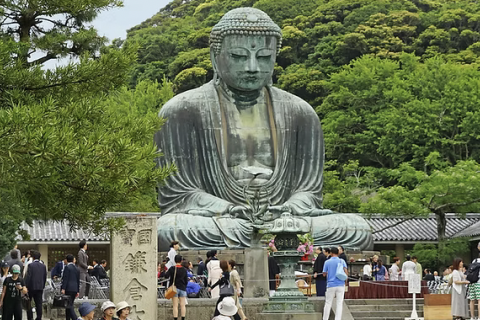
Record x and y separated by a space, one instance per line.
319 37
395 84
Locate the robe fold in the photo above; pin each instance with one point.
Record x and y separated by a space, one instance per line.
194 202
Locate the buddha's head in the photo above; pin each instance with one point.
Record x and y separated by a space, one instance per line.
243 48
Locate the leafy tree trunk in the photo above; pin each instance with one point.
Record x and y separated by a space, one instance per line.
441 229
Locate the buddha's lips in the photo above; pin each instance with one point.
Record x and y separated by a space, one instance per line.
250 78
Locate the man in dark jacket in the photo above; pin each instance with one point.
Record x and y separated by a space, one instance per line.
342 254
201 267
70 286
35 283
57 271
99 271
429 276
320 281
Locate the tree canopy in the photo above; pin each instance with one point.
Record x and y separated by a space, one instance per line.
68 149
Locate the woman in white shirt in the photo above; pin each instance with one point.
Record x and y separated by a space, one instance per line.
395 270
367 270
214 274
174 246
459 300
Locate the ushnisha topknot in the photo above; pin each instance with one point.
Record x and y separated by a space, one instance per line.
244 21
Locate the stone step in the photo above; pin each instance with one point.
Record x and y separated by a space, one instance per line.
383 314
352 302
391 307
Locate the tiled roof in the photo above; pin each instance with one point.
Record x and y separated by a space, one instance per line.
419 229
472 231
58 231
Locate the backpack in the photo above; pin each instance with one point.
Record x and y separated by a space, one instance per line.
472 272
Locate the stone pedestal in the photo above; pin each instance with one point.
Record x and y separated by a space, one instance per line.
134 266
256 273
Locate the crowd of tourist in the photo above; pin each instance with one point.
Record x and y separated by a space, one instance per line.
219 277
23 279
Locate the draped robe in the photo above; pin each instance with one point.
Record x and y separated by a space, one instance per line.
195 201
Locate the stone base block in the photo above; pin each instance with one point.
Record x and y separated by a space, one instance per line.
290 306
289 316
256 273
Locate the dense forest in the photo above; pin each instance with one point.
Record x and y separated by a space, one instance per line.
395 84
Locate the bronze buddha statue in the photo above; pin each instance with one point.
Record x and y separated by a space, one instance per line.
238 138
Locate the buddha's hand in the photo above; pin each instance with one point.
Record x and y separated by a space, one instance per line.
240 212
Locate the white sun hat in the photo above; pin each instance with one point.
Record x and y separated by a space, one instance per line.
107 304
227 307
122 305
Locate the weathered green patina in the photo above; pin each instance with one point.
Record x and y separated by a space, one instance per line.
246 151
287 297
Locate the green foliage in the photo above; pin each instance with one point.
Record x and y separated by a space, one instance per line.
189 79
74 142
429 255
454 189
385 112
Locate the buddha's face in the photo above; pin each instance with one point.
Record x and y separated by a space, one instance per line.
246 63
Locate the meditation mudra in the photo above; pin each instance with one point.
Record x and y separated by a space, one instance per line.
237 138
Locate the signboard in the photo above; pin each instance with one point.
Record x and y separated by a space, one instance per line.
414 284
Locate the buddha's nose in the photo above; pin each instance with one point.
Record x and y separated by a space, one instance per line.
252 65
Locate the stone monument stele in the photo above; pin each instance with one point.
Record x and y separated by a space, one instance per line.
134 264
246 151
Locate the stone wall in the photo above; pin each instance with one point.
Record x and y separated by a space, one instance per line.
197 309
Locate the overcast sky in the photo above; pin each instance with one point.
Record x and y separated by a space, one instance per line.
114 23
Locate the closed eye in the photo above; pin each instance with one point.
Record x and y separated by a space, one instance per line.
238 56
267 57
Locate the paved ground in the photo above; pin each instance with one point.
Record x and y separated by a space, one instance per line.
24 317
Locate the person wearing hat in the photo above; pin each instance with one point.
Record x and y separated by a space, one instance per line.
86 311
108 309
227 309
123 310
11 299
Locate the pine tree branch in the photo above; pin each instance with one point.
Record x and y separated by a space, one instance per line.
47 57
53 85
393 225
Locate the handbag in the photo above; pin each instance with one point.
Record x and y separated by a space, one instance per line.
60 301
172 290
26 303
227 290
340 274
